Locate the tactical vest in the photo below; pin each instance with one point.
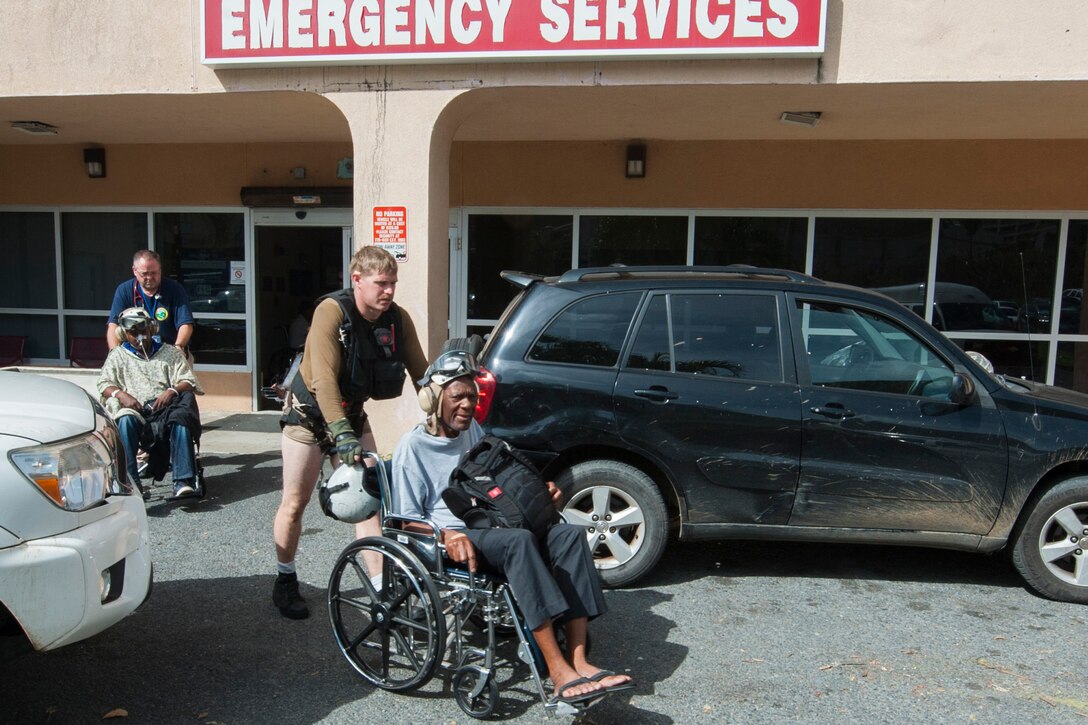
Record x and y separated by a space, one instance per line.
372 364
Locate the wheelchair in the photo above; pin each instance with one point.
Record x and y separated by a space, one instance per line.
147 478
200 486
430 615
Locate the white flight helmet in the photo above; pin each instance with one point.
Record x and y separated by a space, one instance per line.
345 495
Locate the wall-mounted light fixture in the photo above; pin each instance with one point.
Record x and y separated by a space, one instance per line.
636 161
801 118
95 158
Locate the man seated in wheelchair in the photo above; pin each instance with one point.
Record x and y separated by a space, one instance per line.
551 580
149 388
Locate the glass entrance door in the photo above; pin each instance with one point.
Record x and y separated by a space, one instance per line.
296 263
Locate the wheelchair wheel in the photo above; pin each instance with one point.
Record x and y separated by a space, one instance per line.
476 691
395 637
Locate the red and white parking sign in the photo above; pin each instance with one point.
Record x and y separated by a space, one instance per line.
391 230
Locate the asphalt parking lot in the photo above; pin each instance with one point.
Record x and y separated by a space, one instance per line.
722 632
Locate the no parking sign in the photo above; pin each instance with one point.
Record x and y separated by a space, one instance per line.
391 230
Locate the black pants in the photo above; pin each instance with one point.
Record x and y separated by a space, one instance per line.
554 579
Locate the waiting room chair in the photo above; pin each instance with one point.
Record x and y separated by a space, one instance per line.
11 349
88 352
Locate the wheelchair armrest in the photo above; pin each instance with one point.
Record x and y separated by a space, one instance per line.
427 546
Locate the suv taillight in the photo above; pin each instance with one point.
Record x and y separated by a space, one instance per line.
486 381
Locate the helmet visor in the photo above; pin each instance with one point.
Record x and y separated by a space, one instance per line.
450 365
134 321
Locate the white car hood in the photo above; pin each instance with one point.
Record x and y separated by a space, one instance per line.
43 409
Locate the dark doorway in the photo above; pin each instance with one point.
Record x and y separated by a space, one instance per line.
295 266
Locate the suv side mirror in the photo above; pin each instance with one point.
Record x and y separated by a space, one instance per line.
963 389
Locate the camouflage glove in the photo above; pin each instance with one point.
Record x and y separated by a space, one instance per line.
346 442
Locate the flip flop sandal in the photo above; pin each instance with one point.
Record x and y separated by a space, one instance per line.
628 685
575 699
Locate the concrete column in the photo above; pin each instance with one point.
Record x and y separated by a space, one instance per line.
401 150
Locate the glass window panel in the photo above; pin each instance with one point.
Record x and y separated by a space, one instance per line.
482 330
84 326
874 253
728 336
540 244
1072 369
650 350
197 249
860 350
28 277
1073 320
777 242
219 342
631 240
589 332
987 268
40 332
98 249
1011 357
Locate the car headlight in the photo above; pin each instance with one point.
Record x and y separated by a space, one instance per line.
75 474
106 429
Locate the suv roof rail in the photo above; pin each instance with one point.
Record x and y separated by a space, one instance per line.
577 275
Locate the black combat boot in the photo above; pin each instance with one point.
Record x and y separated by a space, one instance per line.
287 599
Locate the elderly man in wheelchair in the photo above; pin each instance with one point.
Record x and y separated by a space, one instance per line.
438 576
149 388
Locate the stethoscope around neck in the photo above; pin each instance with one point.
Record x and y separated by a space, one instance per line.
139 299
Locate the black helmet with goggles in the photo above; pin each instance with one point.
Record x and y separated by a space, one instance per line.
450 365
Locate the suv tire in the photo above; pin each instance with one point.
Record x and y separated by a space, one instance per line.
601 493
1046 543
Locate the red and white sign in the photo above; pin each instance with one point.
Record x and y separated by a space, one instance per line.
331 32
391 230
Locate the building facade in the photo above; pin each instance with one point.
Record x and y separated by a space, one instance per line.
937 151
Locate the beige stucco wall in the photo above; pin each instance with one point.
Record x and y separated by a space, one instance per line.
991 175
62 46
176 174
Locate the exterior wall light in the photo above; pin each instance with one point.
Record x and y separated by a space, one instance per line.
95 158
636 161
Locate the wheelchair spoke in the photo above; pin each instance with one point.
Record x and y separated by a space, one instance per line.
362 637
353 603
405 649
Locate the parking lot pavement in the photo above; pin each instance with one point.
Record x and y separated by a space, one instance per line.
722 632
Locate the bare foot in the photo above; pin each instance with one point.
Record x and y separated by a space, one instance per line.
606 678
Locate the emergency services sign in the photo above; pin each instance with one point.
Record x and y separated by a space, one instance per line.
247 33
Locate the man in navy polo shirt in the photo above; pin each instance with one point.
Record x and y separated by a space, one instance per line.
164 299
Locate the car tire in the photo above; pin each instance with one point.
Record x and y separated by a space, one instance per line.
1046 543
596 491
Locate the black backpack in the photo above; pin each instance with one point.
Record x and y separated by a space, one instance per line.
495 485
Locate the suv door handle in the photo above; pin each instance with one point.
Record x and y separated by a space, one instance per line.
657 393
833 410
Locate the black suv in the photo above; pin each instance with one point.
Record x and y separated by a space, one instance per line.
745 403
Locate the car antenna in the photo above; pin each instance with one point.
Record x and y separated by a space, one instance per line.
1036 422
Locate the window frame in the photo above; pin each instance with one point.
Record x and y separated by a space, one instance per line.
61 312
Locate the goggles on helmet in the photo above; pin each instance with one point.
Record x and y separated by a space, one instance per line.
449 366
134 319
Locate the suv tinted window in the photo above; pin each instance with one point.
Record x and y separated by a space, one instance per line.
731 336
589 332
854 348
